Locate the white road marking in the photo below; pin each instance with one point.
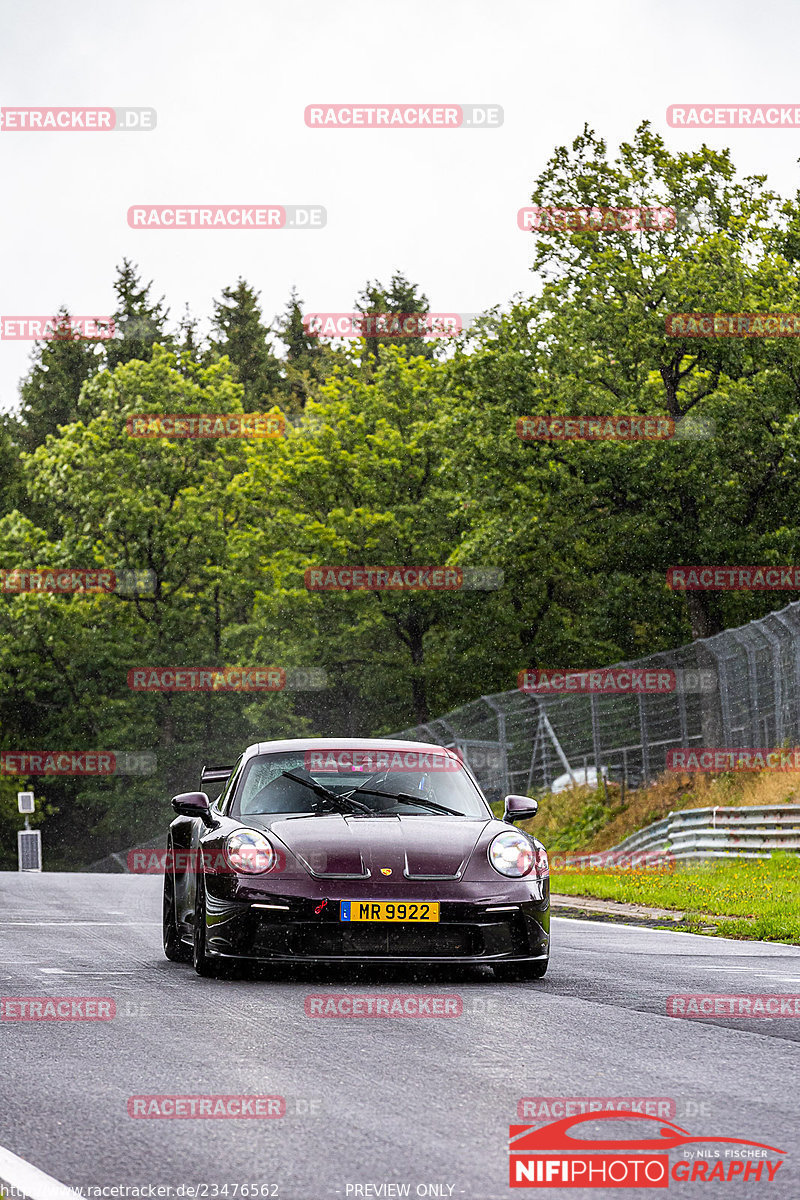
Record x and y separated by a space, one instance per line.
31 1181
114 924
63 971
758 974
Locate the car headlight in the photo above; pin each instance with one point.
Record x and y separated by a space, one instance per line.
511 854
249 851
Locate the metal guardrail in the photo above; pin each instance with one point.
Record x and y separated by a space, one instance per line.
703 833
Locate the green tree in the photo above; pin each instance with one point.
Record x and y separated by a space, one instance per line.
306 358
139 320
49 393
594 341
156 504
360 481
245 339
401 297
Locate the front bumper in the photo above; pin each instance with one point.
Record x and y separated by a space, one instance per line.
286 928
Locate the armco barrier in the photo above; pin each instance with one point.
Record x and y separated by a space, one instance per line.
707 833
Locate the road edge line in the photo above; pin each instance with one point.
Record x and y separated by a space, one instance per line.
26 1178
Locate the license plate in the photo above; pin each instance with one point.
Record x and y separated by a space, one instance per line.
387 910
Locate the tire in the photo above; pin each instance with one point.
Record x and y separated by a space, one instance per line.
518 972
174 948
203 964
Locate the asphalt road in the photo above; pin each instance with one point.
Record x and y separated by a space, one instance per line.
368 1102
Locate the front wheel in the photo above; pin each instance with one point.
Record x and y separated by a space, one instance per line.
517 972
175 949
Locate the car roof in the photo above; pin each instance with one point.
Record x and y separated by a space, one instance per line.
345 744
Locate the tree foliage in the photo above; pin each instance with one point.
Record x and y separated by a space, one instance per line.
396 455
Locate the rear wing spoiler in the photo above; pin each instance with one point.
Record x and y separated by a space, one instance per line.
215 774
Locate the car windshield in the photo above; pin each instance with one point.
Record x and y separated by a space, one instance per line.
385 783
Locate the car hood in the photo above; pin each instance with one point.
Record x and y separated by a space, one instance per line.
335 846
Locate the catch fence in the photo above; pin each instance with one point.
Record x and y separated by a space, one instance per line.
740 688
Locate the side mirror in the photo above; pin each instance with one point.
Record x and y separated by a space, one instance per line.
519 808
193 804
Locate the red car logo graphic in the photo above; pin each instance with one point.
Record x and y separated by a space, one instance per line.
526 1139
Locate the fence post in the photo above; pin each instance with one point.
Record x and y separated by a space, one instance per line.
717 724
752 690
682 716
595 737
643 735
777 678
501 737
794 635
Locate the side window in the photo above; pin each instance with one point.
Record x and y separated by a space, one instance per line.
227 792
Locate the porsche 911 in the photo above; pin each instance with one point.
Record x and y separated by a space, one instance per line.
353 851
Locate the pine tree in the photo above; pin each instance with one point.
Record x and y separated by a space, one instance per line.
400 297
292 332
305 355
139 322
189 348
49 393
242 335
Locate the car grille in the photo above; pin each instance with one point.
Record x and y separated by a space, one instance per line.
442 941
404 941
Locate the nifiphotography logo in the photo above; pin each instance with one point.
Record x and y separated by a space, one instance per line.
554 1156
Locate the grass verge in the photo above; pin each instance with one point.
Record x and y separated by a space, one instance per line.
745 899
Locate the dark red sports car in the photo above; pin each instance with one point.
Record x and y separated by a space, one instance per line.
323 850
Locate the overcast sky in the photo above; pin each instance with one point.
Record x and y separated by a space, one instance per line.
230 83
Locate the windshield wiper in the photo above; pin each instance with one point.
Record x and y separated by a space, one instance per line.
407 798
341 804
